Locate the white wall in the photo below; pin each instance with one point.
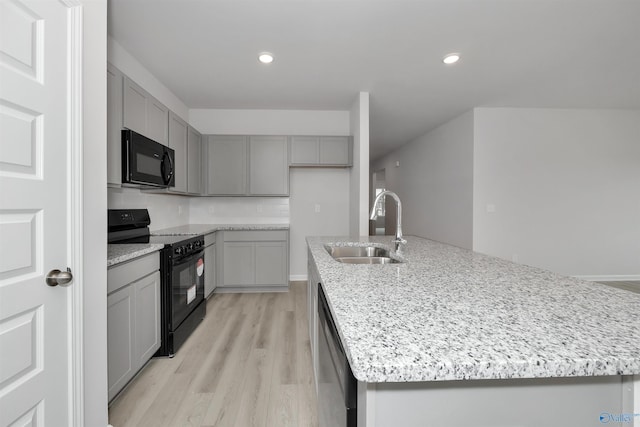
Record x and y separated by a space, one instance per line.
359 180
326 189
269 122
307 187
564 185
435 182
125 62
94 217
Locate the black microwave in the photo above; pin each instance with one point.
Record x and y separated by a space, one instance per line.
145 161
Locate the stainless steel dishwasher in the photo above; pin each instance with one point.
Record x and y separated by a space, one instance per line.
337 387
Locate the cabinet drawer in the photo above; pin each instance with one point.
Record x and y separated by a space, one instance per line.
209 239
130 271
255 236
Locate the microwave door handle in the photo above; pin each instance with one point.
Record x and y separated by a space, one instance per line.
165 176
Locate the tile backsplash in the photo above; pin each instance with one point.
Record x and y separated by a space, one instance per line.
238 210
172 210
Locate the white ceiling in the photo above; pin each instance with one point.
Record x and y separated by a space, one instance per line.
515 53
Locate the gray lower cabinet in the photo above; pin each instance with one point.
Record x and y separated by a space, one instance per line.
143 113
178 131
133 318
209 264
313 281
321 151
254 260
115 81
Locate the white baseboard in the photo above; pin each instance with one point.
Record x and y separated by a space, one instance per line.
298 278
612 278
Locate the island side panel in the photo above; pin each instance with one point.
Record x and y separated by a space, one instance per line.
552 402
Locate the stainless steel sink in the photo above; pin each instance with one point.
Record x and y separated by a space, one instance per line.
367 260
357 251
361 255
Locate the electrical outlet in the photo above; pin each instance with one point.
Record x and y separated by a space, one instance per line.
317 208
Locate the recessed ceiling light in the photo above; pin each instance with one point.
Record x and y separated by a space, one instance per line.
265 57
451 58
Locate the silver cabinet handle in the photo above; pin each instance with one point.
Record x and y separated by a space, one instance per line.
57 277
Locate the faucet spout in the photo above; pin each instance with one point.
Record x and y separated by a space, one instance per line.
398 238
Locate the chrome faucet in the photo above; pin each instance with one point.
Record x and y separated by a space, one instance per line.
398 239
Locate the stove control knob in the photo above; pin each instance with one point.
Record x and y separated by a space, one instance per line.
198 243
189 246
179 250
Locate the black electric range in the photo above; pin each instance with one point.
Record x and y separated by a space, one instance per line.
182 275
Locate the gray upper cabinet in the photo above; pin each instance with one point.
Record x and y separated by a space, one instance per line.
227 165
114 125
305 150
335 150
321 151
268 166
178 141
194 161
143 113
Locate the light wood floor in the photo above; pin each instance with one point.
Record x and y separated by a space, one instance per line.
247 364
633 286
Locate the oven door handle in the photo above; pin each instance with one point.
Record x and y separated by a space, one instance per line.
188 258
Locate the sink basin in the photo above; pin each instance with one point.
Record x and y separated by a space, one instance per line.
361 255
357 251
367 260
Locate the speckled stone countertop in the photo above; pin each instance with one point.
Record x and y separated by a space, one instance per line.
119 253
451 314
197 229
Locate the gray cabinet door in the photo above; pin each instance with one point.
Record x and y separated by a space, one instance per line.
268 166
157 120
194 161
227 167
271 263
147 321
143 113
239 264
121 362
335 150
304 150
209 270
114 125
178 141
134 107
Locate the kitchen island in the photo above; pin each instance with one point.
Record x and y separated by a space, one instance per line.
450 337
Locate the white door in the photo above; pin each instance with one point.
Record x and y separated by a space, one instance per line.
37 52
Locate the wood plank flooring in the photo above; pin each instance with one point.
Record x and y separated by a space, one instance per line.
247 364
633 286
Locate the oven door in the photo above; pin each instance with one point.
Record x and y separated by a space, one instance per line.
187 286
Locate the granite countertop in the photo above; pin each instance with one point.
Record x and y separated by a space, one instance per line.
119 253
452 314
197 229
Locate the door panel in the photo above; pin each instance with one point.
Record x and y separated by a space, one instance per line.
34 100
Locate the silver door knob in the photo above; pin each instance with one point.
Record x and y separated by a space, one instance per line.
57 277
